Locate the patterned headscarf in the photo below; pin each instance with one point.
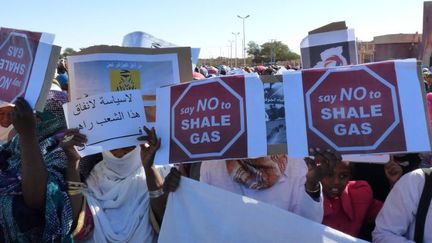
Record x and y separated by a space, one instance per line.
58 212
260 173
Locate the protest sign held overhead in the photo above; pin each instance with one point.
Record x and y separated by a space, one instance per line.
274 113
329 46
27 62
111 120
357 109
211 119
143 39
102 69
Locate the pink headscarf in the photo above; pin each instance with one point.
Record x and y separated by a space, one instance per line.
429 104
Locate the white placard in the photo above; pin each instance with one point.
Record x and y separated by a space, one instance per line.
216 118
360 109
111 120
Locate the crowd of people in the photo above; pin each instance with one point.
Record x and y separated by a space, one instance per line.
48 193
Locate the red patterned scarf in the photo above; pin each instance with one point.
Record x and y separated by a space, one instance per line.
259 173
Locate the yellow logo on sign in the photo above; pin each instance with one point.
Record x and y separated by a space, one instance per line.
123 79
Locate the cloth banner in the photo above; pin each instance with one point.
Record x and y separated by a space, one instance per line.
198 212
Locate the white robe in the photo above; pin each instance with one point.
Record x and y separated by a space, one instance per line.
288 193
119 200
396 220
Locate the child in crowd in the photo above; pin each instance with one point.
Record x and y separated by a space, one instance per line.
348 205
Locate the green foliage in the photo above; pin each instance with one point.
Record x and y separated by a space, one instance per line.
67 51
271 52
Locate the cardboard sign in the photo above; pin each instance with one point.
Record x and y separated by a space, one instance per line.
111 120
367 158
211 119
274 103
329 48
27 62
102 69
374 108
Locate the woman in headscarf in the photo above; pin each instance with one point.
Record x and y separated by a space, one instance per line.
124 197
34 205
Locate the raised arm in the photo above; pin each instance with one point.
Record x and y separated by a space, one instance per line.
34 172
157 189
320 166
72 137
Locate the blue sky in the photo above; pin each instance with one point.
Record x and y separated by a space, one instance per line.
208 24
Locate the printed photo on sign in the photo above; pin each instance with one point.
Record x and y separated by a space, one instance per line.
330 55
275 113
125 79
111 120
358 110
24 61
211 119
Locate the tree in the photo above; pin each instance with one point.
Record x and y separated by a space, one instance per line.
255 50
67 51
277 51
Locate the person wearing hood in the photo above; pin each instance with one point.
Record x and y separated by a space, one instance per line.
34 205
124 197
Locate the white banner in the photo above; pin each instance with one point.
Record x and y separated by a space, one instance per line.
197 212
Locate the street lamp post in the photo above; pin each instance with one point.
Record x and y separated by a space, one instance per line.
235 43
230 53
244 37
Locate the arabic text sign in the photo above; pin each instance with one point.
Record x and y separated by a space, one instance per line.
110 120
358 109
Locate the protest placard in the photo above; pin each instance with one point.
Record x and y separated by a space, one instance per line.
27 63
111 120
367 158
373 108
274 114
143 39
329 46
101 69
215 118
